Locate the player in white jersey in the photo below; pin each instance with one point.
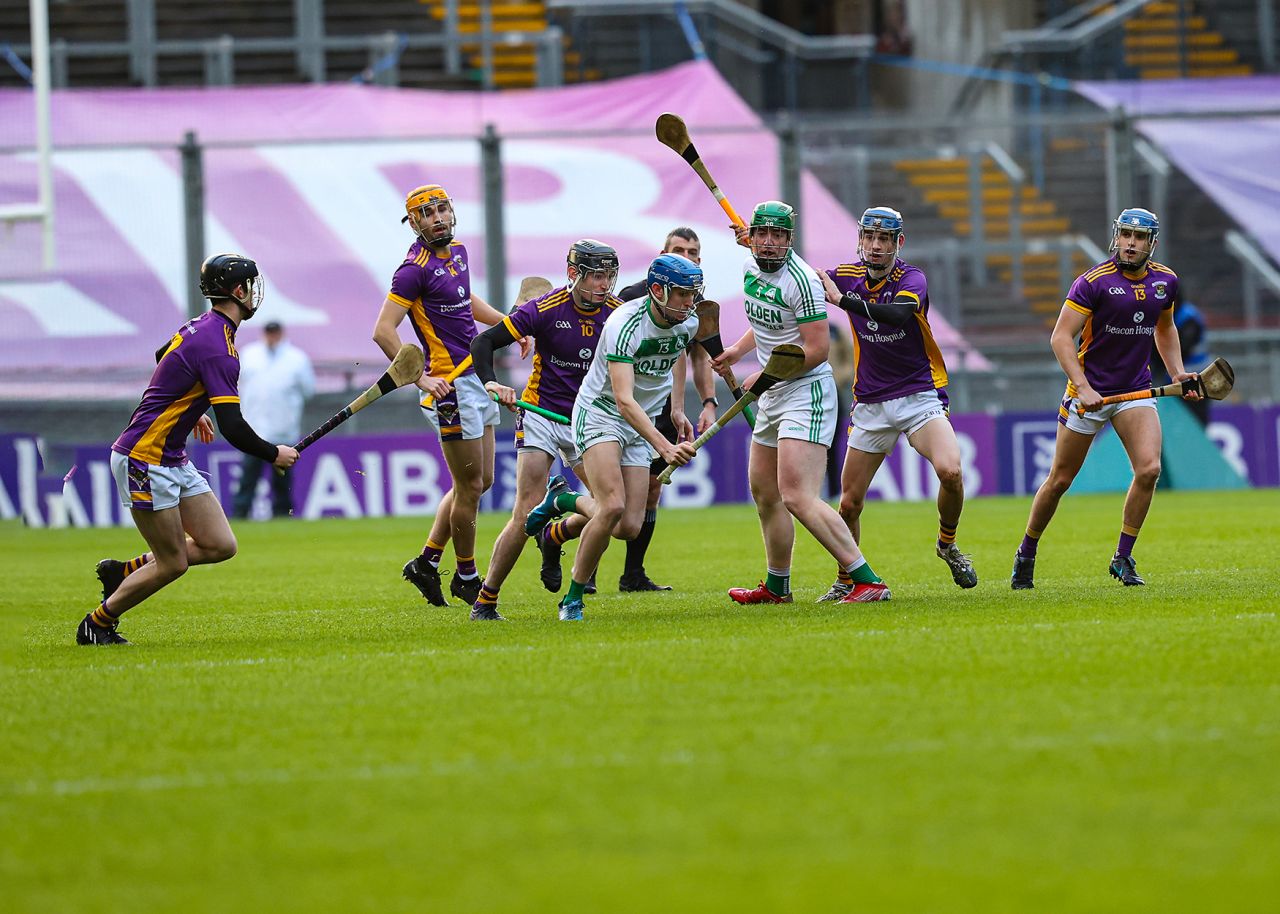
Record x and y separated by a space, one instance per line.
796 420
625 388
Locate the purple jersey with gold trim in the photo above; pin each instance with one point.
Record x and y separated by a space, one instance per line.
437 292
565 340
891 362
199 367
1120 321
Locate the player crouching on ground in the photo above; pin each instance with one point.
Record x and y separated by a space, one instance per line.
172 506
613 415
900 383
1115 308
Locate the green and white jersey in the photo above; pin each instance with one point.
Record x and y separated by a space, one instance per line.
778 303
631 336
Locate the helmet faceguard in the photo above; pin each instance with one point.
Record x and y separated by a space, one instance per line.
772 229
590 262
876 224
233 277
1130 225
429 212
679 283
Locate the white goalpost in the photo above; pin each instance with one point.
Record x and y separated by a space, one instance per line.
42 209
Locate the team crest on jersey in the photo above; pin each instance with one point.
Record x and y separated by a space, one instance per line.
585 354
1138 316
448 412
1160 289
873 326
462 292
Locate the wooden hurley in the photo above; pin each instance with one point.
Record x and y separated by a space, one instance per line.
1214 383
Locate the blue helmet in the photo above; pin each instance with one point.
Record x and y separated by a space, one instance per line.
880 219
1138 220
671 271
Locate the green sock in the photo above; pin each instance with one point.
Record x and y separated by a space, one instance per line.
861 573
576 592
566 502
779 584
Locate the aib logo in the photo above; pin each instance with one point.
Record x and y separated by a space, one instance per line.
1138 316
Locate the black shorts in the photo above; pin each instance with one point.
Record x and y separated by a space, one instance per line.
666 428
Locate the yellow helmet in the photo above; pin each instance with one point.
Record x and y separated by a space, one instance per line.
423 196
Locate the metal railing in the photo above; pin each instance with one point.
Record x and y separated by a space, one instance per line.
733 29
1258 273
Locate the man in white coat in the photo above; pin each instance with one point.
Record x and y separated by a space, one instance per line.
275 380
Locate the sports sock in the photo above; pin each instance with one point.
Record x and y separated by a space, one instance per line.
576 591
637 547
559 532
1128 535
566 502
860 573
778 581
431 552
488 595
102 617
467 567
1029 543
946 534
134 564
843 577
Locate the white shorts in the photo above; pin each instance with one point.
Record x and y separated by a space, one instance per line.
465 412
875 427
1092 423
804 409
591 426
149 487
539 432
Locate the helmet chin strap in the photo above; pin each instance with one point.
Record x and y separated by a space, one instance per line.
580 295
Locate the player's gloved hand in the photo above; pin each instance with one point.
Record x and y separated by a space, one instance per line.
437 387
1188 376
1090 400
506 395
204 430
678 454
741 233
286 456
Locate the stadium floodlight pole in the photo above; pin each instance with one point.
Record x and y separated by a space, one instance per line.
530 287
785 363
404 369
1215 382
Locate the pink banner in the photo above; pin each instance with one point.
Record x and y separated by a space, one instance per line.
310 180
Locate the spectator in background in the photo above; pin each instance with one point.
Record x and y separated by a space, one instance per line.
1192 337
275 380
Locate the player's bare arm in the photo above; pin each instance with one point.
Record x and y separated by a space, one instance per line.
622 380
679 372
1170 349
815 338
1063 341
386 334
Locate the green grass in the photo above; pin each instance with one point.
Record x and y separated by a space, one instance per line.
298 731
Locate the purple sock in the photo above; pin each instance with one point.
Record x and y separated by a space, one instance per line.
1028 547
1125 546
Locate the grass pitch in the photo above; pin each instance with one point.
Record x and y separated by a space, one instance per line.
298 731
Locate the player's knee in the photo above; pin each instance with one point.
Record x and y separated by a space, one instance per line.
469 490
851 508
795 501
225 549
609 510
949 475
168 570
1057 483
627 528
1147 474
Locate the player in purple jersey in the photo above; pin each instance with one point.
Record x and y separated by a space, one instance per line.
565 325
433 287
683 241
1116 309
172 506
899 383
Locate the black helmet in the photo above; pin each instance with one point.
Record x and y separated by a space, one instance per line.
591 255
221 273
